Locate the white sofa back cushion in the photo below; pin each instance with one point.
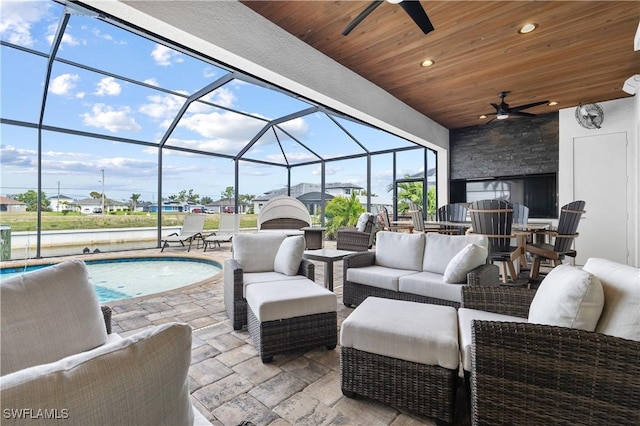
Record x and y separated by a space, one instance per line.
470 257
441 248
568 297
139 380
621 284
399 250
48 314
289 255
256 252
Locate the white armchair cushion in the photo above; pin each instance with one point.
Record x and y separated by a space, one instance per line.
289 255
621 284
441 248
256 252
362 222
139 380
399 250
568 297
48 314
467 259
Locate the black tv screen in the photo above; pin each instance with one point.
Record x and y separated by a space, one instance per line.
538 192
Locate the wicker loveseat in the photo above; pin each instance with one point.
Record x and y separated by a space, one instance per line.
427 268
525 371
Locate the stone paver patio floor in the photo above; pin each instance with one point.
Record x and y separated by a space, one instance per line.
228 381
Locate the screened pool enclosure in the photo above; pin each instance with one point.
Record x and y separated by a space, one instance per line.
94 108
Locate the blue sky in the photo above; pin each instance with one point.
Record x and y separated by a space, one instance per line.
111 105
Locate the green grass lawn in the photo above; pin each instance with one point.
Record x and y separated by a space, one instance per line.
52 221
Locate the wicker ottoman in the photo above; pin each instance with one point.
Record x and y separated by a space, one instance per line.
291 315
404 354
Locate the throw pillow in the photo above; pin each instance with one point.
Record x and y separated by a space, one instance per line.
289 255
441 248
568 297
48 314
361 225
467 259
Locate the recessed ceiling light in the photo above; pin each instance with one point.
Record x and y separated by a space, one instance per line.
482 117
553 103
427 63
527 28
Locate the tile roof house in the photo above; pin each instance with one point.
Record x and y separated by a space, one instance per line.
10 205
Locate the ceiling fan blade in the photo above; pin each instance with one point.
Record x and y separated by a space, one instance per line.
415 10
372 6
522 114
489 121
534 104
496 107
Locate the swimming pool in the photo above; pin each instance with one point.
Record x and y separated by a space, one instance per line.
124 278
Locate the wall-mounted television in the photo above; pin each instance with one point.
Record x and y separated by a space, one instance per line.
538 192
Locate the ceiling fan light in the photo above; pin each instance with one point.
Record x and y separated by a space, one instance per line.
553 103
482 117
394 1
427 63
527 28
502 116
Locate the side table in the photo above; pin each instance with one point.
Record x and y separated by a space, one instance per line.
328 256
314 236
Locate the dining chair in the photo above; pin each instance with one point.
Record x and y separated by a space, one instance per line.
452 213
562 237
416 217
494 219
523 235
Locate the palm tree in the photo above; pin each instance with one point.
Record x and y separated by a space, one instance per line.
342 211
134 201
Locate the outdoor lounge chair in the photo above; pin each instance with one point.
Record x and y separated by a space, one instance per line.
191 230
228 226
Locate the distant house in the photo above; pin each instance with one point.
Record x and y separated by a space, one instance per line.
309 194
10 205
94 206
60 203
168 206
225 206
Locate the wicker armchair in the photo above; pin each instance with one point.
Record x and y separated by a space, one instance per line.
538 374
351 238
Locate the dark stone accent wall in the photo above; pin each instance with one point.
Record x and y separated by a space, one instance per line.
516 146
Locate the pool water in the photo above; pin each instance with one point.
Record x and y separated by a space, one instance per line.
117 279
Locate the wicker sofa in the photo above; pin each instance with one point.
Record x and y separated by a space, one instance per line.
567 353
59 359
427 268
254 258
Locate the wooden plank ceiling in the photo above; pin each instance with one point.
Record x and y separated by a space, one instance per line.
582 51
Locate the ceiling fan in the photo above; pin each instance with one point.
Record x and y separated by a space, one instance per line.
413 8
503 111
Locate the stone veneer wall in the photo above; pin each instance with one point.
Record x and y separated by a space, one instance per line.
513 147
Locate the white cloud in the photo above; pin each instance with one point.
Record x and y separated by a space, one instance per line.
162 106
209 72
165 56
224 125
12 156
67 38
223 97
297 127
108 86
64 84
106 117
17 17
152 81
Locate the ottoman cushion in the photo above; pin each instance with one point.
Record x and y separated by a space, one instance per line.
289 299
417 332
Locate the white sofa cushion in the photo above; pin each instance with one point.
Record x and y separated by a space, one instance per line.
621 284
416 332
441 248
568 297
377 276
264 277
48 314
256 252
142 379
465 316
289 255
289 299
430 284
399 250
470 257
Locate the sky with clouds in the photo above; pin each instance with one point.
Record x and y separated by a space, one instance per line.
143 87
